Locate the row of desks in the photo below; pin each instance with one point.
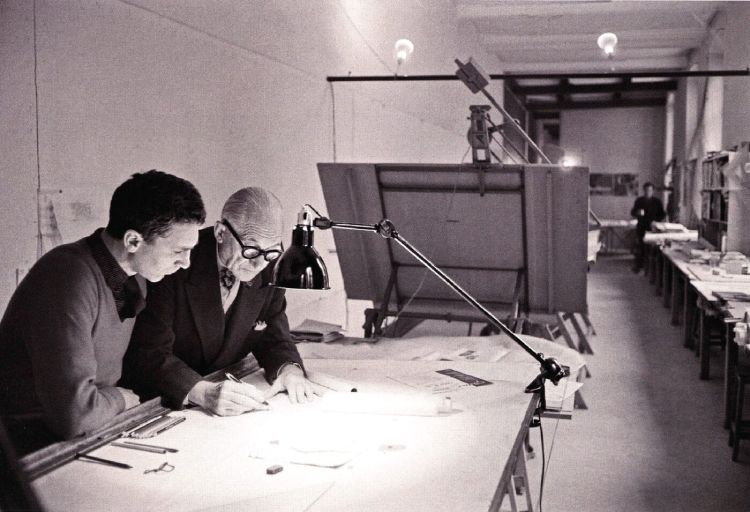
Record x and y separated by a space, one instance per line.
689 290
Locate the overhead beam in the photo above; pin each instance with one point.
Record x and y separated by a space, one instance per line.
546 115
590 54
556 52
529 76
530 90
562 91
676 62
536 108
632 38
478 11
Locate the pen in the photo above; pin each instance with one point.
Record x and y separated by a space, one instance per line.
149 422
142 447
85 457
238 381
170 450
171 424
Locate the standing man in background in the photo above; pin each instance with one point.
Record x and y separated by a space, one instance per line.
647 209
213 314
68 324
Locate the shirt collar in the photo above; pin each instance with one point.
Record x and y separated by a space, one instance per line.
125 289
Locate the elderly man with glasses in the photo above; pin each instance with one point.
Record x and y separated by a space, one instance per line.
218 311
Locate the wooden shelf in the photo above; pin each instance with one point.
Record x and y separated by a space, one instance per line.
722 212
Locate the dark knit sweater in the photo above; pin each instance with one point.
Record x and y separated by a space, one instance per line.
61 346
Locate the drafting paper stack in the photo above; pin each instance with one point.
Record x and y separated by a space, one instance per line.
316 331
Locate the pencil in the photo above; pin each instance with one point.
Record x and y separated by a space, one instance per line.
170 450
142 447
113 463
238 381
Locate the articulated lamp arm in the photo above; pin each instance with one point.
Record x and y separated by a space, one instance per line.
288 275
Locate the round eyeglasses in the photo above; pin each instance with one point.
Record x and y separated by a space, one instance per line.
251 252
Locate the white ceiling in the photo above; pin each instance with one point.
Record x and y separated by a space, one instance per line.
560 36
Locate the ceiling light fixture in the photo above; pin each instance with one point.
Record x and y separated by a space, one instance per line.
607 42
404 48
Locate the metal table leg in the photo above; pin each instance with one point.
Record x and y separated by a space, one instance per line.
730 365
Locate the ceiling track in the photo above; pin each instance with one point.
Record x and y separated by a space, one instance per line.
557 76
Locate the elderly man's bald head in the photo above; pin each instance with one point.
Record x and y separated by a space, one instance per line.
255 213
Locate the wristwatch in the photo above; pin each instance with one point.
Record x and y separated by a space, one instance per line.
287 364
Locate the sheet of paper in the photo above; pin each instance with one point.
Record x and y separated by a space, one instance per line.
556 395
331 382
396 404
292 499
324 456
490 354
430 382
318 444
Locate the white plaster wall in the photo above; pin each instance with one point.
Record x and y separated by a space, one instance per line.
620 140
18 170
736 98
225 94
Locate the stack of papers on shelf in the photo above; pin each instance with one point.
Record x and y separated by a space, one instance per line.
314 330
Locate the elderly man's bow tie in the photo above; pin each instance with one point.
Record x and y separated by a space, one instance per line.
227 278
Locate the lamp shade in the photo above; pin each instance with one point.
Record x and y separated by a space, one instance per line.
301 267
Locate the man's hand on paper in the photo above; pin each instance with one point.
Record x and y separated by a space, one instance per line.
292 380
227 398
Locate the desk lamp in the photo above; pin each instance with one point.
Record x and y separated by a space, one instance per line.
301 267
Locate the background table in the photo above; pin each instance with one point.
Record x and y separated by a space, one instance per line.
707 304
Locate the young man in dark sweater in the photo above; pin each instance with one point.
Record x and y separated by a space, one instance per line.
68 324
647 209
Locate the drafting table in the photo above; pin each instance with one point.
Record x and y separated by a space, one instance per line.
671 272
615 229
733 313
694 284
708 303
462 461
514 236
663 233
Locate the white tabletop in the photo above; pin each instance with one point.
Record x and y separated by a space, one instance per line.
679 259
703 272
707 288
402 463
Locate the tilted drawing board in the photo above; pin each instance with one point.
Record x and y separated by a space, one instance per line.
481 226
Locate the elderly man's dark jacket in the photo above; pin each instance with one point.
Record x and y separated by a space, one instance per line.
183 334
